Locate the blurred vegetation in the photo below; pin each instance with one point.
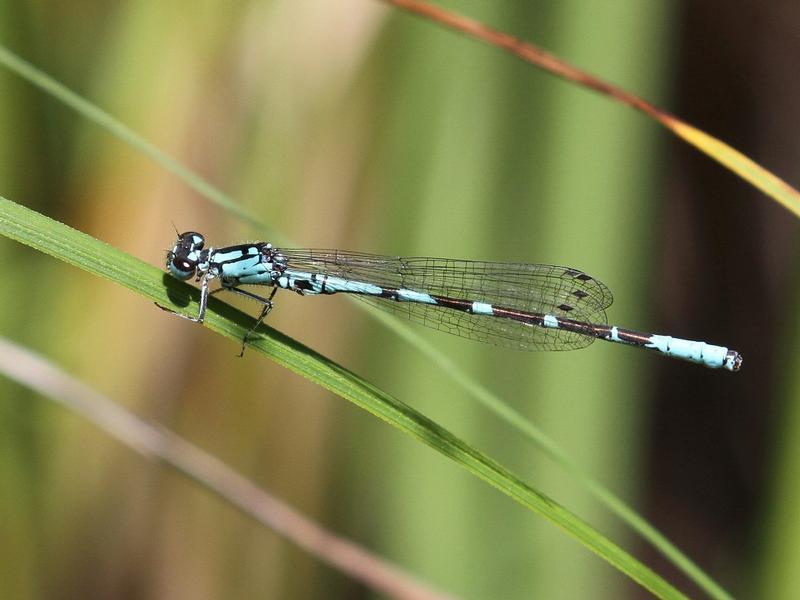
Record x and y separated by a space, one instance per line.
347 125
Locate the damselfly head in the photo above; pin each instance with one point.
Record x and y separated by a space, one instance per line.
182 260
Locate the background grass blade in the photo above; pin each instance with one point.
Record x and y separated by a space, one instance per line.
159 444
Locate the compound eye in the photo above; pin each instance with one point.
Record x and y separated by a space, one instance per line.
193 240
182 268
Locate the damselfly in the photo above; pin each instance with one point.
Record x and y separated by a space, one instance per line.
517 305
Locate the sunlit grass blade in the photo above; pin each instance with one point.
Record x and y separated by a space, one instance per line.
737 162
83 251
729 157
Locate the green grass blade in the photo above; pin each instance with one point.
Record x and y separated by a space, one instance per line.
89 254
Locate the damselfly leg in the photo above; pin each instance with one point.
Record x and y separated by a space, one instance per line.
267 302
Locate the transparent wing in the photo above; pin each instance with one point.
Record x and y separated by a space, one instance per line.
534 288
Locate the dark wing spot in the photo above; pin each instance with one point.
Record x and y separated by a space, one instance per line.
580 294
575 274
565 307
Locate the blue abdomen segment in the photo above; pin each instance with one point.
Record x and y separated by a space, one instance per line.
317 283
403 295
699 352
333 285
715 357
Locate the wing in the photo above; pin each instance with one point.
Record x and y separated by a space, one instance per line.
535 288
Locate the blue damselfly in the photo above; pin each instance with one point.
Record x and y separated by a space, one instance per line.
517 305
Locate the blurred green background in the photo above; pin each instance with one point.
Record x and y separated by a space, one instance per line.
349 125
